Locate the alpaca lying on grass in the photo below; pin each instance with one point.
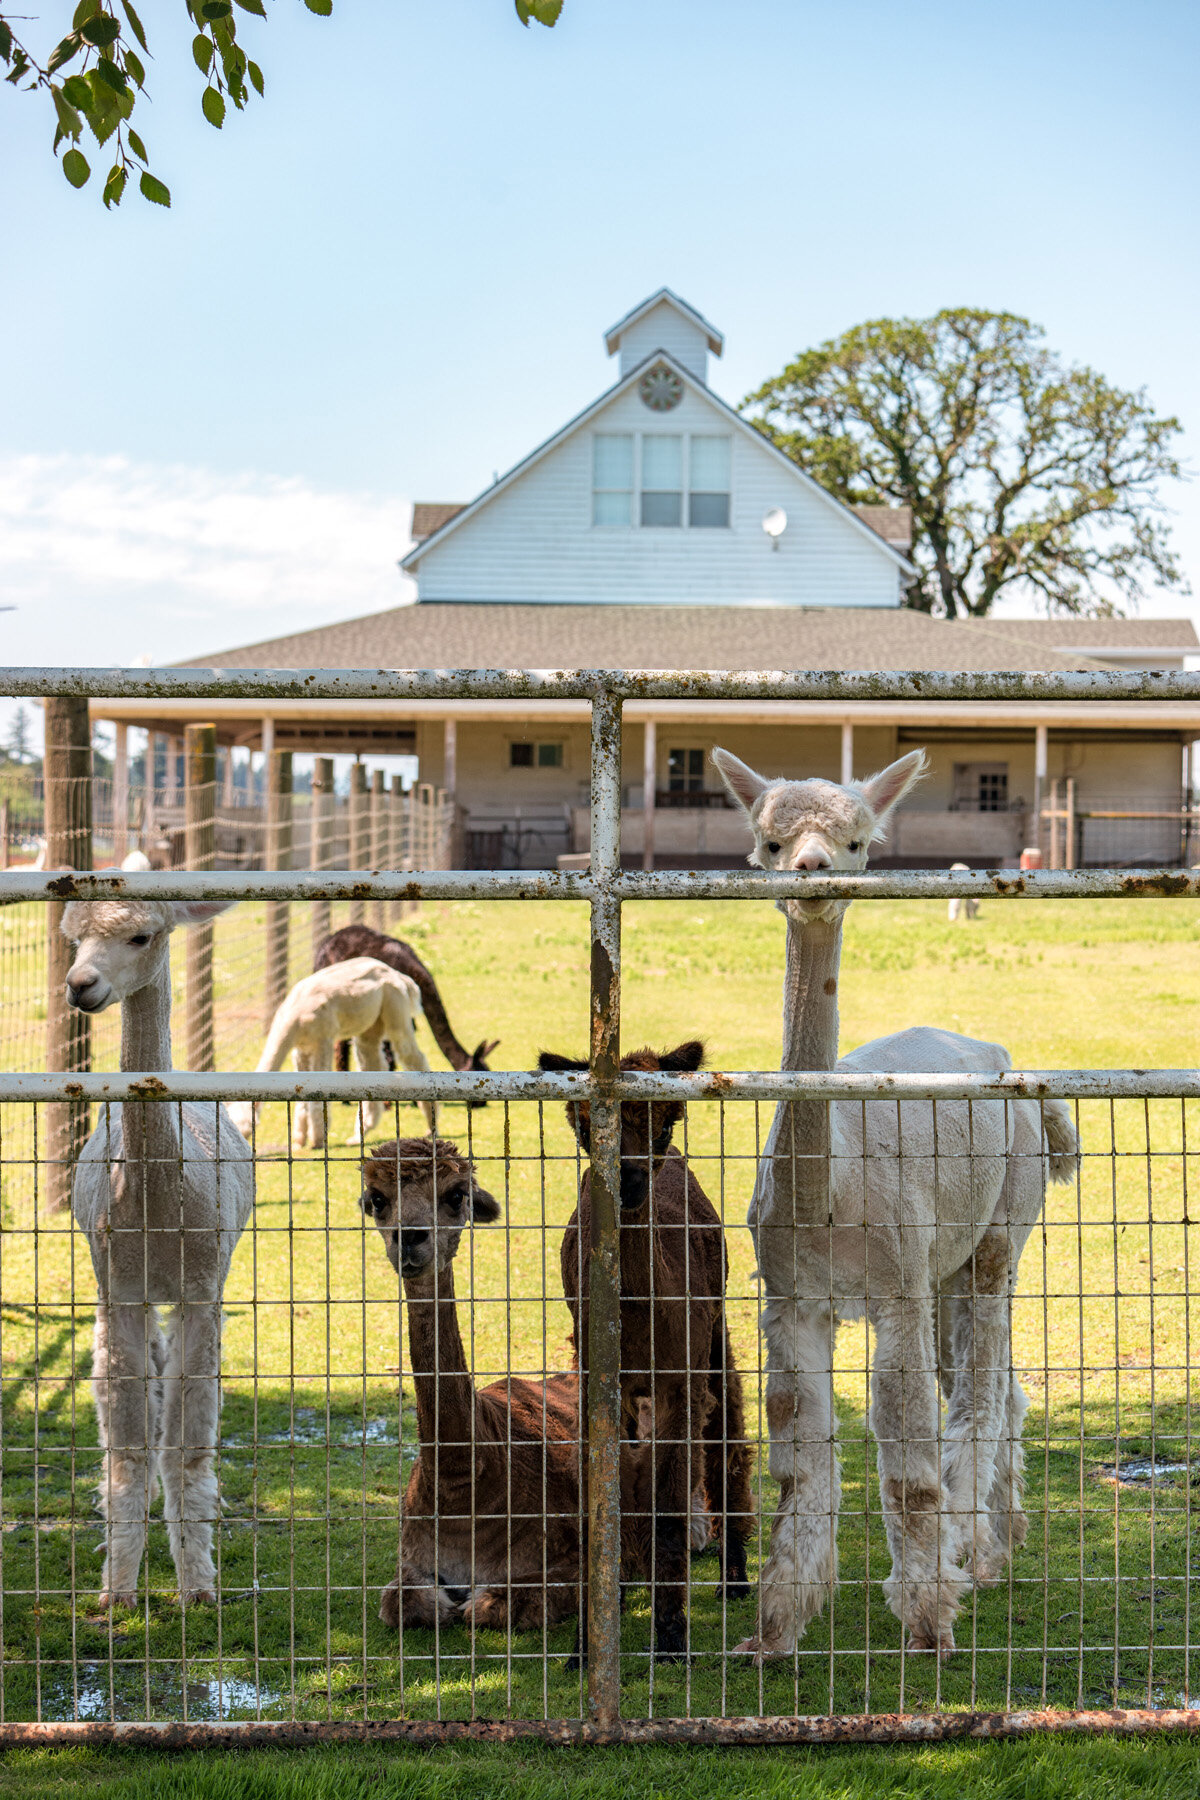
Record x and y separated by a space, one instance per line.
162 1192
363 1000
680 1383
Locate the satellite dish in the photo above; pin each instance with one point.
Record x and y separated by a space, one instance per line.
775 524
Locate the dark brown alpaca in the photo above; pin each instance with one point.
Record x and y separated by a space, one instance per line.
676 1357
490 1520
361 940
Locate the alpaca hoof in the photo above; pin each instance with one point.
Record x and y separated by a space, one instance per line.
574 1663
737 1588
204 1596
944 1646
389 1606
755 1647
112 1599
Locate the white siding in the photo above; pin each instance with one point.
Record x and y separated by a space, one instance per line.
664 327
536 541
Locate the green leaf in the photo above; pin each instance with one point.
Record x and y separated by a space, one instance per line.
256 76
322 7
216 9
202 52
253 6
69 121
155 190
62 53
77 91
114 187
137 146
111 75
101 29
105 109
136 67
6 40
546 12
213 106
75 168
87 9
136 26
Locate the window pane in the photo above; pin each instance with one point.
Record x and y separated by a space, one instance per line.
612 460
612 509
662 509
662 462
709 467
550 756
708 509
520 756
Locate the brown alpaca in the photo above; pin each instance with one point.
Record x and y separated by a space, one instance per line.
489 1529
361 940
676 1357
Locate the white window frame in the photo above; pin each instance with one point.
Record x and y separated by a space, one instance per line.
635 505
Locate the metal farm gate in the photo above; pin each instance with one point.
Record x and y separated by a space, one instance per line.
1088 1626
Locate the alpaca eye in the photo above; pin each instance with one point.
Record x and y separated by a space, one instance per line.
141 940
774 849
856 845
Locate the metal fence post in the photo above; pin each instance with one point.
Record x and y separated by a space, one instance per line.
200 799
68 803
322 833
359 824
278 855
379 841
604 1291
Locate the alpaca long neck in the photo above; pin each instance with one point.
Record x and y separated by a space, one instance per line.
445 1389
148 1127
810 1042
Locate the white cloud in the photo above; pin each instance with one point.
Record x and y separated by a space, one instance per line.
108 560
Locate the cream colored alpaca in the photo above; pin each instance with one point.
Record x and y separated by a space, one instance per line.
966 908
361 999
162 1192
918 1221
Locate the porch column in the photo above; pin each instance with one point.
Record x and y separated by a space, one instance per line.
227 778
174 746
1040 765
120 797
450 757
649 784
268 741
847 752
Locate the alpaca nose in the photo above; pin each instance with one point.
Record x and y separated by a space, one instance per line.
635 1184
812 860
411 1242
78 990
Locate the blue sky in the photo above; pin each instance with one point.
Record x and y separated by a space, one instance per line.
391 278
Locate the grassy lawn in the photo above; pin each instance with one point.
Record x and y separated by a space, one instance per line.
318 1425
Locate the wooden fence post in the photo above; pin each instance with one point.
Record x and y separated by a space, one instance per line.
1054 822
1071 827
67 773
358 850
322 833
200 801
379 840
400 852
278 855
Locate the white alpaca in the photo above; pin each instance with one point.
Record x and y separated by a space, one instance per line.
361 999
162 1192
39 861
137 862
915 1218
967 908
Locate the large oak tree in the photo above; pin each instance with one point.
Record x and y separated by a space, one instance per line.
1022 473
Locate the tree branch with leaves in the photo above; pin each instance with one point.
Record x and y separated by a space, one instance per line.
1022 474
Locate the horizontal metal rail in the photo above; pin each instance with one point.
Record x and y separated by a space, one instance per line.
588 684
553 884
500 1084
818 1728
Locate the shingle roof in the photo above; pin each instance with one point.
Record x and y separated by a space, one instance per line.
430 515
893 523
467 635
1090 634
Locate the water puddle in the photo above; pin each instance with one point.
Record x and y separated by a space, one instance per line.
1141 1472
126 1697
310 1428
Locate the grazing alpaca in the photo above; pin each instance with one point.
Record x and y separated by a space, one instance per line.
918 1220
361 940
162 1193
136 862
677 1366
363 1000
965 908
490 1521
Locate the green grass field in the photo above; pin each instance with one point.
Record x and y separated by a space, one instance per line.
318 1427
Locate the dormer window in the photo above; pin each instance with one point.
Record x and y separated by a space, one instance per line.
661 479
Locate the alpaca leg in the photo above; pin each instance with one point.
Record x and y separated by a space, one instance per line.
1007 1513
679 1420
191 1408
979 1401
924 1587
320 1057
727 1463
301 1114
369 1051
404 1045
801 1570
126 1388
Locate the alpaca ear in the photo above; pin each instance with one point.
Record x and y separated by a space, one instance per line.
550 1062
197 912
485 1208
884 791
483 1048
685 1059
739 778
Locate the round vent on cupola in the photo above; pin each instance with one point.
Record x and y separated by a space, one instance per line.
661 389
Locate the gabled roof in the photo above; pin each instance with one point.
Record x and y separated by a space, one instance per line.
430 515
715 338
735 418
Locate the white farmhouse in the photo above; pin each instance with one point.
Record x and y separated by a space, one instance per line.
660 494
